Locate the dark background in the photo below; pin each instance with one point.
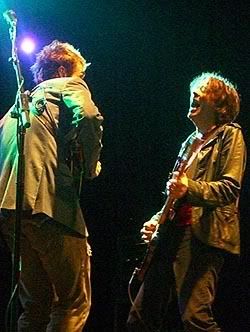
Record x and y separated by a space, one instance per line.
143 54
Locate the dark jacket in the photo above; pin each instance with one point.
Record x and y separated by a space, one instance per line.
214 186
62 115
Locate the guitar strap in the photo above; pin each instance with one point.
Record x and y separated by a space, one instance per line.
198 141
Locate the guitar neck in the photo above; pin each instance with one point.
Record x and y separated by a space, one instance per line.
169 203
181 165
166 210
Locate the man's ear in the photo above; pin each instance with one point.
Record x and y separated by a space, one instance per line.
62 71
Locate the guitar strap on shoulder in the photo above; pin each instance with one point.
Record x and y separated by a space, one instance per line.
189 150
193 145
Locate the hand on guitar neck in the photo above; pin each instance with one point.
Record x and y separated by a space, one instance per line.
177 187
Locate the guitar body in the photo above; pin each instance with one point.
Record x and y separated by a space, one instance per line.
151 247
141 271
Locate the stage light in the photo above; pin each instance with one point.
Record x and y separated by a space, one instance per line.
28 45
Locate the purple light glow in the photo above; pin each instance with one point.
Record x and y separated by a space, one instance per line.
28 45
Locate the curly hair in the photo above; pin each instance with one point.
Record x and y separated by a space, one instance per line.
221 92
54 55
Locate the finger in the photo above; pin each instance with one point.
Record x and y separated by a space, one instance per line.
149 226
175 175
145 239
146 232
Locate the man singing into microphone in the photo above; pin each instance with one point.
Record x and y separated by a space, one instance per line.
62 145
204 224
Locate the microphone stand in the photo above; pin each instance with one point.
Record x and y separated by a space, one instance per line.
20 111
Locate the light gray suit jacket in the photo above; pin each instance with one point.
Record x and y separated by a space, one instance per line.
62 116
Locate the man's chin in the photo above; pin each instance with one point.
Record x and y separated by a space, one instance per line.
192 117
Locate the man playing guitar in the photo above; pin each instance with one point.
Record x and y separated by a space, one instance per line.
204 226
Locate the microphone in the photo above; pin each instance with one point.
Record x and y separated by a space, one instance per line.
10 17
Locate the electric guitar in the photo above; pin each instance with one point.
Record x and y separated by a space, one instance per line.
186 156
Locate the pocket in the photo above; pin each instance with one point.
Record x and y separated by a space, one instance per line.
227 214
43 235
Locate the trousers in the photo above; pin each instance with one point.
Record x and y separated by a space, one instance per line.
182 266
54 285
